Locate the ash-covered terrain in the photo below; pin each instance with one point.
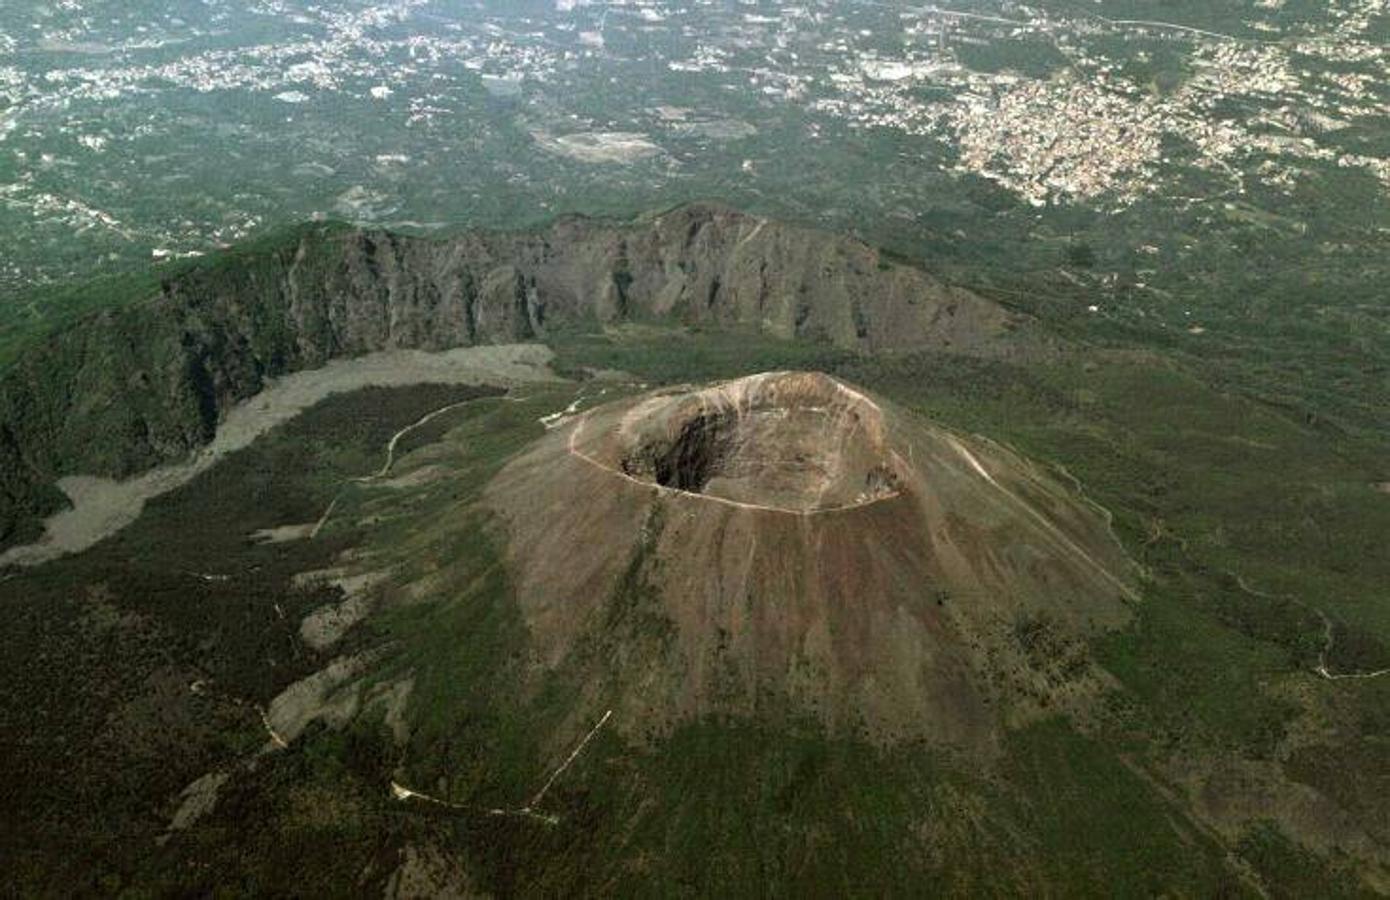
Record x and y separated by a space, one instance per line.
700 553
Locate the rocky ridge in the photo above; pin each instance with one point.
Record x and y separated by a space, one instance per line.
129 388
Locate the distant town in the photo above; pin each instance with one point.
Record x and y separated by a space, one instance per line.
1056 108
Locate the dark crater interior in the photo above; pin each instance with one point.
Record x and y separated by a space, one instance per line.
790 441
687 463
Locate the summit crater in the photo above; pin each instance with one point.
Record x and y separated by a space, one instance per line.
797 442
787 544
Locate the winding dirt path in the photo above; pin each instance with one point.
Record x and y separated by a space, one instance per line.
402 793
391 451
423 420
1322 668
1328 636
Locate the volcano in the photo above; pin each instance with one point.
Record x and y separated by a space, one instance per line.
786 545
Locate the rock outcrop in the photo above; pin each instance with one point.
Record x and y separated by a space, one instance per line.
128 388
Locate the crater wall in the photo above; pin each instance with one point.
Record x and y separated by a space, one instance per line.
127 389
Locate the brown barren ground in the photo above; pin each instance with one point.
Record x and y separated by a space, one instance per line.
784 541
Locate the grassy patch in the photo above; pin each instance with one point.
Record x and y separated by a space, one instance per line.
101 727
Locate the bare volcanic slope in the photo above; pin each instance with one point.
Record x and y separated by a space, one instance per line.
786 544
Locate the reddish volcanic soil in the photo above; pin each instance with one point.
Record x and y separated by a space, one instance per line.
784 544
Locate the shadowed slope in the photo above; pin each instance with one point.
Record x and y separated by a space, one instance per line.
126 389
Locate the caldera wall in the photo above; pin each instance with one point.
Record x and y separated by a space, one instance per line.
129 388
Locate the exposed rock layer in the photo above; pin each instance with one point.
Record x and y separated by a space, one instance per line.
790 441
128 388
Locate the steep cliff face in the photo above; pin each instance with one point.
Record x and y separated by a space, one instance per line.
127 389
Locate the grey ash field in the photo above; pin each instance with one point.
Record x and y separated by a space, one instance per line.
698 554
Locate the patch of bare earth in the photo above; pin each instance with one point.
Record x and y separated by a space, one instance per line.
326 625
787 540
425 873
